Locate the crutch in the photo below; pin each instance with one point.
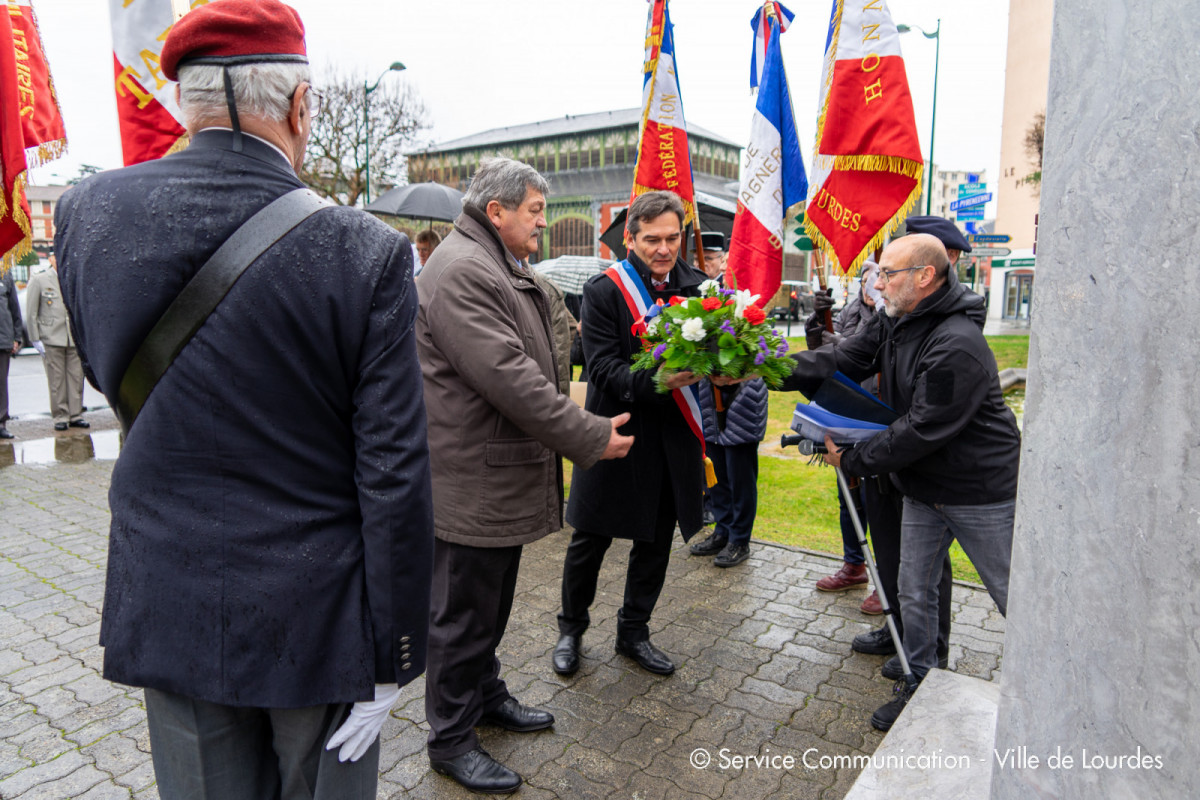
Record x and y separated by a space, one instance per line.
808 447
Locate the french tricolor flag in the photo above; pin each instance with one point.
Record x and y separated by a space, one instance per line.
868 164
761 26
773 181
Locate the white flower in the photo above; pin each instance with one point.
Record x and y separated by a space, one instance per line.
653 325
743 300
709 288
693 329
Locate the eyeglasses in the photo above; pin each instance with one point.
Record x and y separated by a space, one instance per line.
886 274
316 100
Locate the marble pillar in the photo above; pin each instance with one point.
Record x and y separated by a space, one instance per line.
1102 655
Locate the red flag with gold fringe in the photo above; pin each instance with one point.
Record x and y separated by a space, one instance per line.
867 165
15 238
663 161
41 120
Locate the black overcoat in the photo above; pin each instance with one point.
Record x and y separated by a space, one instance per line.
271 538
619 498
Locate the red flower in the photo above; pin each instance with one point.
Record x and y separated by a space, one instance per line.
731 302
676 300
711 303
754 315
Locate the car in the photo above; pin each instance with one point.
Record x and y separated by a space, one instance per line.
799 298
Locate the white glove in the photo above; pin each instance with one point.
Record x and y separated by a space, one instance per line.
362 727
41 348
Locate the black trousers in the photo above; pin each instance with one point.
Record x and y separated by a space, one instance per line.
884 511
473 590
5 357
207 751
644 576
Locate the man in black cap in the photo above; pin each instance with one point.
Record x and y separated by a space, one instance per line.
713 244
953 452
270 554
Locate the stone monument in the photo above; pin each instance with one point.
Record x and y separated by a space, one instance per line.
1102 655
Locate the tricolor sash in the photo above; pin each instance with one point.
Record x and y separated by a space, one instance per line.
637 299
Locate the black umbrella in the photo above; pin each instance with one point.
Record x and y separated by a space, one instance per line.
420 201
713 217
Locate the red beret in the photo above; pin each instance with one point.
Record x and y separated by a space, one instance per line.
234 32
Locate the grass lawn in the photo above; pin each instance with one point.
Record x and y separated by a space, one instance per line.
797 502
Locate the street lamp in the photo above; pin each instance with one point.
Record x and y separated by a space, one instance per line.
367 89
933 124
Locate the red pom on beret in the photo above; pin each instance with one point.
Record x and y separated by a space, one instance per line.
232 32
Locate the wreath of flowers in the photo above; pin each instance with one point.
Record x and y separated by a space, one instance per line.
721 332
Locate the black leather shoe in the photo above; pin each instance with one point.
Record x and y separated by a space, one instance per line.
893 672
566 654
885 716
732 555
80 423
876 643
60 426
648 657
479 772
710 545
4 434
512 716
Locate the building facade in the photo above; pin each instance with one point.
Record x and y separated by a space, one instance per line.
589 161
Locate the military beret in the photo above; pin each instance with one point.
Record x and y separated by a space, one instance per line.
230 32
713 240
943 229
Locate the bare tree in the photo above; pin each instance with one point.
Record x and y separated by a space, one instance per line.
335 163
1035 138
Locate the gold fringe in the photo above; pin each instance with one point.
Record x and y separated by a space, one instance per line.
886 230
46 152
870 163
25 246
57 147
710 472
180 144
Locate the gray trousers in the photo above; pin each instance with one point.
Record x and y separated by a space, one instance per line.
207 751
985 533
64 373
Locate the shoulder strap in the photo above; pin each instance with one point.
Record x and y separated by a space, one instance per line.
188 312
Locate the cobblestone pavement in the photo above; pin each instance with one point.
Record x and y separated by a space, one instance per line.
765 669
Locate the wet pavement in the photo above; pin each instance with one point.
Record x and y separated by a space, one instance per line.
765 667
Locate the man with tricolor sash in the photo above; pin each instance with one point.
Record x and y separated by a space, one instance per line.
659 484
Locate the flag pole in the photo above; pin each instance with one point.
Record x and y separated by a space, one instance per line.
179 8
699 244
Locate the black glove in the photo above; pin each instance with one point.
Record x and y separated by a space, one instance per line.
822 302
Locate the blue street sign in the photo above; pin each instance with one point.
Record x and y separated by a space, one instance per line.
975 214
990 238
970 226
973 200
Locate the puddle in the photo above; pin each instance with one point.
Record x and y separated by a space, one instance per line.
73 449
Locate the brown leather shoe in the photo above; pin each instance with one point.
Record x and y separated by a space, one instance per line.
849 576
871 606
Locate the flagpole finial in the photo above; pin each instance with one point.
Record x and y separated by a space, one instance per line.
769 9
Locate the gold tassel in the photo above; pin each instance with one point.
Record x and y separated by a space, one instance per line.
710 472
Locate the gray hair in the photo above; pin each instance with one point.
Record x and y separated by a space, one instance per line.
652 205
505 181
262 90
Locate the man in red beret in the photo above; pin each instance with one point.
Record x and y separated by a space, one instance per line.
271 543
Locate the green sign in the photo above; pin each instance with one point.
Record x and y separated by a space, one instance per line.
803 243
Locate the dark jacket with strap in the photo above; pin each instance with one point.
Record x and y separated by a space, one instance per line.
271 539
956 442
745 417
620 498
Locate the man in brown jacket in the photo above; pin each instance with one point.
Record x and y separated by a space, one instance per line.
496 423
